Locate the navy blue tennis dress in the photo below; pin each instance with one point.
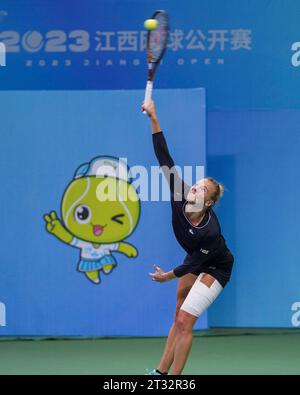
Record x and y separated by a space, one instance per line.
205 246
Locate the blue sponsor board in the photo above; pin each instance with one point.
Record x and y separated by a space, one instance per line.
245 53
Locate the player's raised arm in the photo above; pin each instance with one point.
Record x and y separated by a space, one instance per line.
151 112
159 142
162 153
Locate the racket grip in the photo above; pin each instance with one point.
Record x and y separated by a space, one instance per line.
148 94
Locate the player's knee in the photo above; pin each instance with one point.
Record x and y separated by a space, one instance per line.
181 326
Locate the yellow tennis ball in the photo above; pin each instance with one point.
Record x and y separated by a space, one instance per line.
150 24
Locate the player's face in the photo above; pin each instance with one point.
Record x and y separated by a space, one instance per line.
200 193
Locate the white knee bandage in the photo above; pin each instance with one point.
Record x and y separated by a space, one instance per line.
201 297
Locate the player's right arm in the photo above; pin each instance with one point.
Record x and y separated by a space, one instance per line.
151 112
162 152
159 142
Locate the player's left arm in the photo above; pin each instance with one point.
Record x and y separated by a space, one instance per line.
161 276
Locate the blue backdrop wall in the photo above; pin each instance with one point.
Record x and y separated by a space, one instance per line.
247 56
256 155
46 137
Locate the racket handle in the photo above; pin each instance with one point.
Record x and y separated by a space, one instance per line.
148 94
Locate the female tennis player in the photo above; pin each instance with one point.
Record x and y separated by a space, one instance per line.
208 263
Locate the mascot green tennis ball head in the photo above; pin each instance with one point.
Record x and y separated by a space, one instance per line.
100 205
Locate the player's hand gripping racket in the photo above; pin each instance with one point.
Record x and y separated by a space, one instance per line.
156 45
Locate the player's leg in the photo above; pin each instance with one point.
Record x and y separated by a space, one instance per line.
183 340
204 291
185 283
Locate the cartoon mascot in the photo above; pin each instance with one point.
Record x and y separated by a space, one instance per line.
100 208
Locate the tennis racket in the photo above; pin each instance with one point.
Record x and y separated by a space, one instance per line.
156 45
